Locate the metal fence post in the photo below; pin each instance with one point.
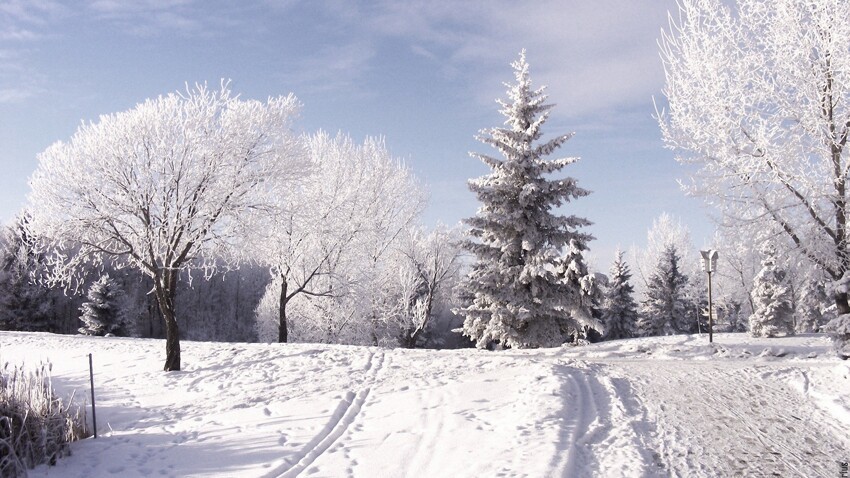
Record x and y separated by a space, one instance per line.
93 413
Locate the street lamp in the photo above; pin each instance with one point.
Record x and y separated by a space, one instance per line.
709 264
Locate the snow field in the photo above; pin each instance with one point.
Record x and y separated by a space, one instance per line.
642 407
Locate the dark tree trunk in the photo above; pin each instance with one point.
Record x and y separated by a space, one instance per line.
166 287
412 336
283 334
236 322
838 134
841 303
172 342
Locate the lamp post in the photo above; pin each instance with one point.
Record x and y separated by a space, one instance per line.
709 264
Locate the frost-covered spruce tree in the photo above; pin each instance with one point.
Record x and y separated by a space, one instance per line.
813 300
584 294
103 313
839 327
619 310
515 295
24 303
774 314
665 309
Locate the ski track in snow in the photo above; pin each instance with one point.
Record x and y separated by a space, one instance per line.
342 418
601 435
671 406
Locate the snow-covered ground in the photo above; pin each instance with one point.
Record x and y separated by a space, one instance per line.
641 407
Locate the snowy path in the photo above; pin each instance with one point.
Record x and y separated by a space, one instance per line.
543 418
427 417
736 419
668 406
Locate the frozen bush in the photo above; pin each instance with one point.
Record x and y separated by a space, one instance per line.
35 425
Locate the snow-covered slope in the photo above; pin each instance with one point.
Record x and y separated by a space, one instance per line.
640 407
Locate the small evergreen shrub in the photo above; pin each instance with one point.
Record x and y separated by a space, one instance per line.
103 313
773 299
35 425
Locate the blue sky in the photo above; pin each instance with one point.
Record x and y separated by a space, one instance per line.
423 74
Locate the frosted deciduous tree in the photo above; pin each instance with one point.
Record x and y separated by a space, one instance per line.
759 99
619 307
410 287
340 222
738 265
428 269
163 187
774 314
666 308
514 295
731 314
103 313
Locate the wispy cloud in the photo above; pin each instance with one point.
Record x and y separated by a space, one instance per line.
22 24
33 12
585 51
123 8
593 55
18 34
18 81
148 18
15 95
24 20
331 69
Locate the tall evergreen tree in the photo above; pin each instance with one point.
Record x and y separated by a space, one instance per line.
774 314
103 313
518 293
666 309
620 309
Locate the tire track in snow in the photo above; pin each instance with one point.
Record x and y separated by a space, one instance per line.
345 413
